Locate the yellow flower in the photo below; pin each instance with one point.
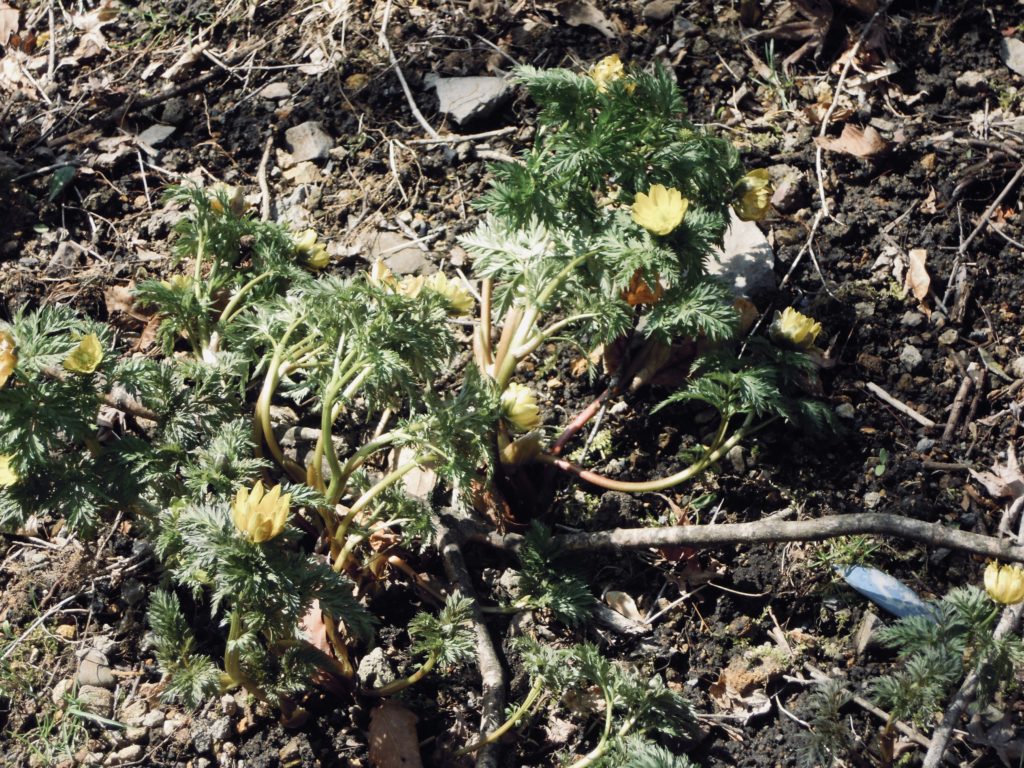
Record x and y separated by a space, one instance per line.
608 69
314 253
460 301
1004 583
86 357
259 516
753 196
379 274
661 210
411 286
8 356
178 283
794 329
8 475
519 407
233 195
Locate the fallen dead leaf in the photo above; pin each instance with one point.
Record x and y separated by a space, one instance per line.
1004 480
859 142
314 629
623 603
9 18
917 279
393 739
578 14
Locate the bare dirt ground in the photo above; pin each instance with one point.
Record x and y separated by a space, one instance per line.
900 230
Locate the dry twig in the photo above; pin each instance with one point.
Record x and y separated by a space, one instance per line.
902 407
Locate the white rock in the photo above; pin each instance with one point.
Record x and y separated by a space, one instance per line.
465 99
910 357
1011 51
746 261
308 141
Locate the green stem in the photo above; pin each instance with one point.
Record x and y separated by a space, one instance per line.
232 662
400 685
356 459
603 745
712 455
363 501
263 432
233 307
530 346
501 730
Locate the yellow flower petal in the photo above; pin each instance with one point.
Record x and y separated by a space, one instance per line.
794 329
460 301
8 356
1004 583
8 475
86 357
607 70
753 196
661 210
519 406
258 515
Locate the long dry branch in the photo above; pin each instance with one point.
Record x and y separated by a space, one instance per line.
768 531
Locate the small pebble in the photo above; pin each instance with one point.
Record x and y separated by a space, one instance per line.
871 500
948 337
925 444
911 319
845 411
910 357
154 719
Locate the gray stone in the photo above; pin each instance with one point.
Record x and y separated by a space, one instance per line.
228 705
466 99
154 719
375 670
202 739
924 445
98 701
910 358
746 261
156 134
1016 368
308 141
60 690
970 83
736 459
872 500
790 190
400 255
845 411
130 754
509 581
864 309
1011 51
911 319
94 669
948 337
174 112
275 91
221 729
659 10
683 27
133 713
135 734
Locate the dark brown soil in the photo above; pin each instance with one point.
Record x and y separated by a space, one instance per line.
943 169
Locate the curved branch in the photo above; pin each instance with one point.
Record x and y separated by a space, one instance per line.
770 531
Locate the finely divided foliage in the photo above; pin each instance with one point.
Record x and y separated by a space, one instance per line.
371 365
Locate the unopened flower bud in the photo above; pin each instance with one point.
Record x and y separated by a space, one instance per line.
519 407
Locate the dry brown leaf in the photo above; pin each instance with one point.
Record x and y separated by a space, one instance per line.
1004 480
9 19
930 204
393 739
92 42
587 14
313 627
859 142
917 279
623 603
639 292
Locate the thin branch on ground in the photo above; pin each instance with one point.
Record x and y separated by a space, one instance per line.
899 405
774 531
492 675
261 178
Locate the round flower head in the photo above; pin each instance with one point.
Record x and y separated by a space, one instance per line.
753 196
8 475
1004 583
221 193
260 516
86 357
8 356
661 210
608 69
519 407
794 329
460 301
314 253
